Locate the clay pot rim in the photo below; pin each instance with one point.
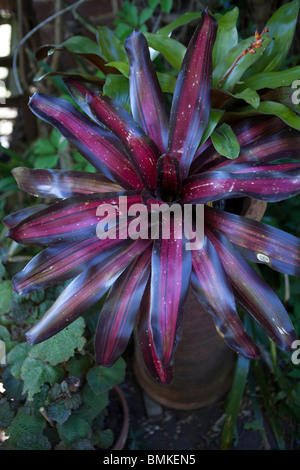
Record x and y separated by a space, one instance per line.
122 437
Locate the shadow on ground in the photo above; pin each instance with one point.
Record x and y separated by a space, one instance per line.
154 427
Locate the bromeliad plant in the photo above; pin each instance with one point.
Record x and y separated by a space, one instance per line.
154 156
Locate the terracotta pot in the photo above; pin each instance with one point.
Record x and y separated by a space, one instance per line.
203 363
122 437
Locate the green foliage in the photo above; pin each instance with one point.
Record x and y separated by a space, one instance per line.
55 396
225 141
130 18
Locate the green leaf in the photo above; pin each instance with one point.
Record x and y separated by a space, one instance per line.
5 296
166 5
78 367
250 96
32 407
283 95
145 15
244 63
234 401
123 67
282 111
73 402
4 334
129 12
102 379
273 79
117 88
172 50
76 427
123 30
225 141
282 27
111 48
2 269
81 45
167 82
16 357
62 346
269 405
83 444
43 147
153 3
34 442
35 374
24 425
227 35
95 403
106 439
6 414
13 387
46 161
214 117
57 140
58 412
180 21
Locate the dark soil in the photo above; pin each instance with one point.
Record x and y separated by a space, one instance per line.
166 429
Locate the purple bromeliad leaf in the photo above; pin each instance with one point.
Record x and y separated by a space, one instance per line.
168 178
254 294
141 149
272 186
262 140
159 372
61 183
85 290
261 243
11 220
63 261
213 289
120 310
69 219
146 98
192 95
153 158
169 286
100 147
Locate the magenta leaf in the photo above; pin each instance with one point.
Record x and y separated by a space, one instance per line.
254 294
214 292
146 98
192 96
120 310
84 291
272 186
63 261
69 219
141 149
99 146
262 140
261 243
15 218
159 372
168 178
169 286
61 183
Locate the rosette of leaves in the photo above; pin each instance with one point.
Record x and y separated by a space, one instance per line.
161 156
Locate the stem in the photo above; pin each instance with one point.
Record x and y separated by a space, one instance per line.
33 31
